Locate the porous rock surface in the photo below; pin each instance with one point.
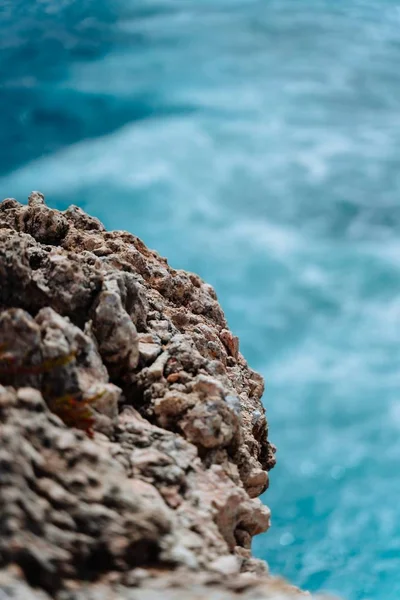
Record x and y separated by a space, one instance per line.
169 482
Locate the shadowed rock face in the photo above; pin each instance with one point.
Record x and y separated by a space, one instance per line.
97 329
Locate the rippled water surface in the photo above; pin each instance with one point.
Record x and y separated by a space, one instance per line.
256 142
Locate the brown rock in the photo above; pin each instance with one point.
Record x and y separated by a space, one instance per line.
100 330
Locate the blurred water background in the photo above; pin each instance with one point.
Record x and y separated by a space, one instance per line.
256 142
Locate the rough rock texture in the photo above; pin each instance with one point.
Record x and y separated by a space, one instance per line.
98 334
150 584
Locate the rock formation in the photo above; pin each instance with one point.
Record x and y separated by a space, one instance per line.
133 438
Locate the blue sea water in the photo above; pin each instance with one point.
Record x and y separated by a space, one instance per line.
256 142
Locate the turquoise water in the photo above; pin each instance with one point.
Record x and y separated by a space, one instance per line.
256 142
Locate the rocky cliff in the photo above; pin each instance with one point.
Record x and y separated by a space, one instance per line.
134 443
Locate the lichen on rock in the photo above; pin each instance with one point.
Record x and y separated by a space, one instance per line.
179 451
